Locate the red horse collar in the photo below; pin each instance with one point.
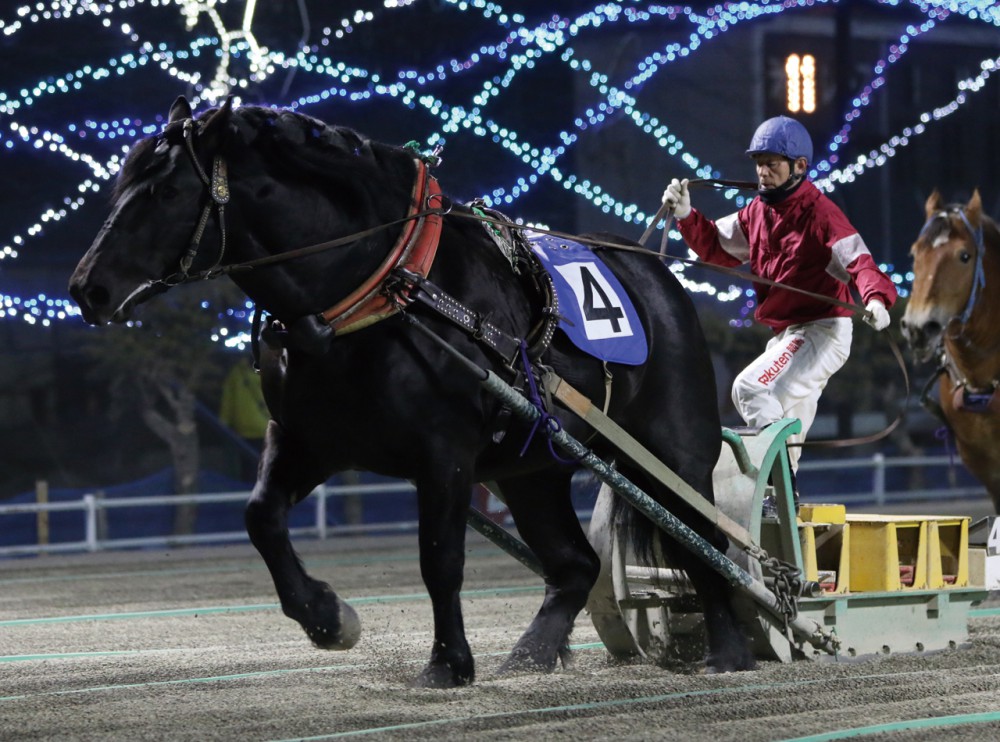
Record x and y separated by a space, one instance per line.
414 251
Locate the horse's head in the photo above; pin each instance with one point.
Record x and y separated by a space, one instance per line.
157 205
946 258
292 180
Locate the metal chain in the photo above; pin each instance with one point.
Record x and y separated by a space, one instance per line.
786 584
785 581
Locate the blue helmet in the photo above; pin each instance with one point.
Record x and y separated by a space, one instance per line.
782 136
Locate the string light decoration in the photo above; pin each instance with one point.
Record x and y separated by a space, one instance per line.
95 148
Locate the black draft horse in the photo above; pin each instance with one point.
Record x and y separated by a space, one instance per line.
350 386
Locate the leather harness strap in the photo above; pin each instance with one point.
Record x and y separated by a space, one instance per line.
401 279
413 252
468 319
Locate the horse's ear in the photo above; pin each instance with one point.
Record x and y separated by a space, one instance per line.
180 110
218 121
933 204
974 209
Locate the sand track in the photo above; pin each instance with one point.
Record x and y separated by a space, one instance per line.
190 645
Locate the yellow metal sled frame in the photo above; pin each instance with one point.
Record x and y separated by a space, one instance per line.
891 584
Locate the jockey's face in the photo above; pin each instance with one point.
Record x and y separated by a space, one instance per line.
774 170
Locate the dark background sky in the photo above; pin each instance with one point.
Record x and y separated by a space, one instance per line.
709 99
76 89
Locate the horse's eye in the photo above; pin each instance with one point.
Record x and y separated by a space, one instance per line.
964 256
167 192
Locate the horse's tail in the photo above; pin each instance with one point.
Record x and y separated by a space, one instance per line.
652 544
637 531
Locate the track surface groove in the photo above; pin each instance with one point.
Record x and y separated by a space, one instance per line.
189 644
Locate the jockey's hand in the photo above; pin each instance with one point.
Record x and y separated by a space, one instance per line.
678 197
876 314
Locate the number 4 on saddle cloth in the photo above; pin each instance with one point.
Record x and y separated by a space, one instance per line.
597 313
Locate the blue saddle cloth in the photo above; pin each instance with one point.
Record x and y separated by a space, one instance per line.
597 313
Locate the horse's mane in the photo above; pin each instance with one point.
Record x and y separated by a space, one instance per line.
941 225
140 159
301 143
991 232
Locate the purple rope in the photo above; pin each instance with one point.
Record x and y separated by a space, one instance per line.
551 422
944 434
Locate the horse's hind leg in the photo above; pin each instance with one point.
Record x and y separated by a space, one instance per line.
444 494
728 649
544 515
285 479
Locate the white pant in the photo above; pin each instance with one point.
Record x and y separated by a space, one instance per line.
787 379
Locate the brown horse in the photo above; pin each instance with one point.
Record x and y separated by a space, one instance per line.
954 315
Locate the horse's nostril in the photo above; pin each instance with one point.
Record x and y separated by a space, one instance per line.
97 296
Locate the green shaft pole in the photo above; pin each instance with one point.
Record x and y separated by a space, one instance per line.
808 629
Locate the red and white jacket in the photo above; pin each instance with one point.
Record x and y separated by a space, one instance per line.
803 241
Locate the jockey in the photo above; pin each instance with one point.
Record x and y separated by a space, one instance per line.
793 234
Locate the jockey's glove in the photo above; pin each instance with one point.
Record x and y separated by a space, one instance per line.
678 197
876 314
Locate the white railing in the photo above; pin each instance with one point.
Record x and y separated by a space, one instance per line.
93 507
879 464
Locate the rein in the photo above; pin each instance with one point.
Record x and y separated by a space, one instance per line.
665 211
425 192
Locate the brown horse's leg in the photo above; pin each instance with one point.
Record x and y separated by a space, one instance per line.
990 477
285 478
975 438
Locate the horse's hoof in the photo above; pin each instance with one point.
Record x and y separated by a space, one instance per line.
715 666
522 660
438 675
566 657
348 630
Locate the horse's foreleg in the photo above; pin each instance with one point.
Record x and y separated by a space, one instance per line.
544 515
284 480
444 499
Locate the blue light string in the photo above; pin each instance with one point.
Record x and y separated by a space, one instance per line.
519 45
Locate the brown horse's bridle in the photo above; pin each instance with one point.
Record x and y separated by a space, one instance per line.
961 386
979 274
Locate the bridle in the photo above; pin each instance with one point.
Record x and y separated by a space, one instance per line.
979 274
414 250
219 193
948 365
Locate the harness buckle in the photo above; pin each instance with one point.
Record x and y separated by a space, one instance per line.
446 203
